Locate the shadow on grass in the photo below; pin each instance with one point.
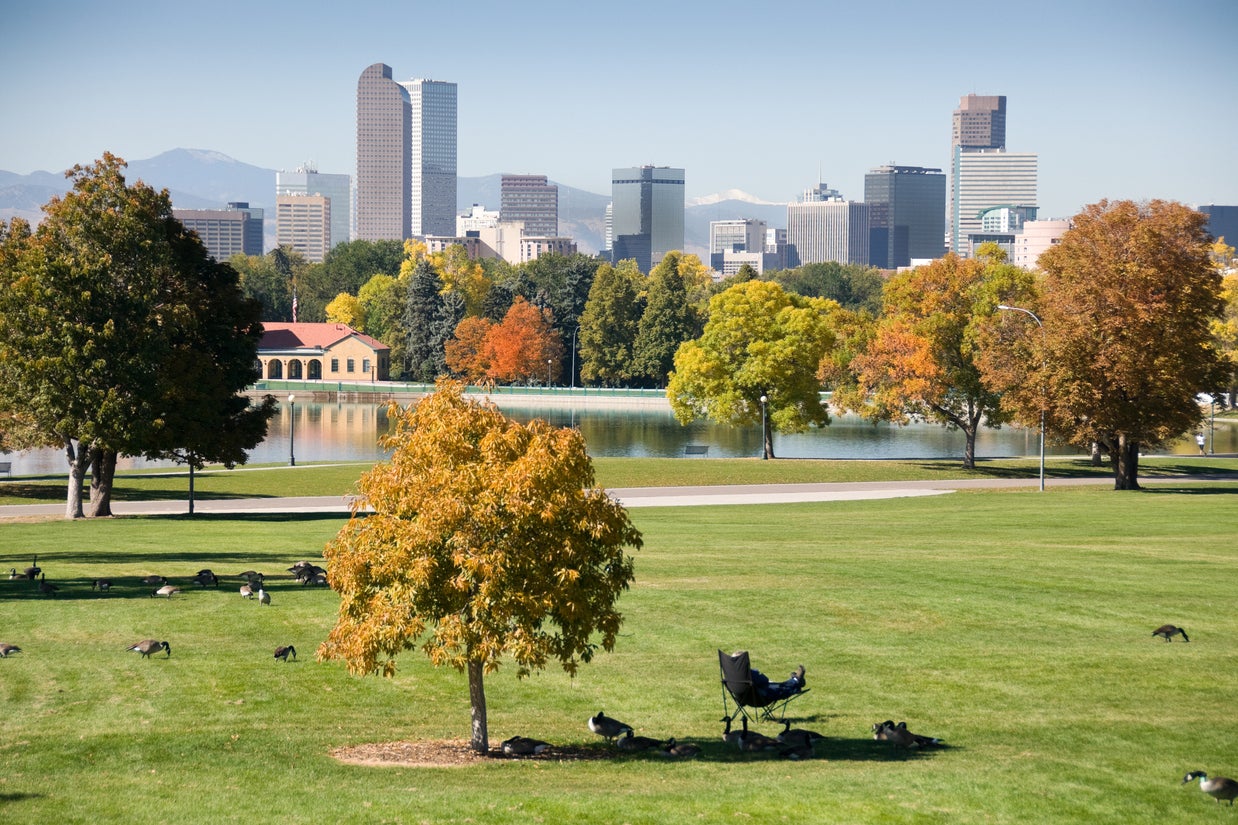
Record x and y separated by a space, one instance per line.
18 796
831 749
51 490
132 587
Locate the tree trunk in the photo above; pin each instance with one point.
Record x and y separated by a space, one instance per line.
102 472
477 701
77 471
1126 463
768 440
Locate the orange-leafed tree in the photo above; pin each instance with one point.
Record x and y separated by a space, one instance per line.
1128 298
524 347
921 360
487 539
465 350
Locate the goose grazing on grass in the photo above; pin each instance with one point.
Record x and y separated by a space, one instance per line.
155 579
282 653
523 746
628 742
607 726
251 576
679 750
263 596
6 649
102 585
13 574
206 578
167 590
149 646
247 592
1218 787
1168 631
898 734
45 587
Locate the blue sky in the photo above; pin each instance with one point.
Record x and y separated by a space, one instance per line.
1126 99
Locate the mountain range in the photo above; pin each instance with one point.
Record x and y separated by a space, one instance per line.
205 179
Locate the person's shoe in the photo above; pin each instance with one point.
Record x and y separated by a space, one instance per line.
798 675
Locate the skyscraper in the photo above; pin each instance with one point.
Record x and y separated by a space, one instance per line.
647 213
984 179
236 230
303 223
307 180
384 157
529 198
432 105
732 243
979 123
906 214
823 227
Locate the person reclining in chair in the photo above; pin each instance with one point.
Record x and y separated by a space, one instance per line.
773 691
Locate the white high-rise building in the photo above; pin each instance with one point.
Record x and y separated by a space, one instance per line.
432 107
303 223
307 180
984 179
823 227
732 243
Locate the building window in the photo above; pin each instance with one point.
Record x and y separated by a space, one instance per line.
352 365
335 365
365 366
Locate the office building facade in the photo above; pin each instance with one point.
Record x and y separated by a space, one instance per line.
906 213
978 124
824 227
432 162
236 230
983 180
384 157
647 213
1222 222
307 180
531 200
303 223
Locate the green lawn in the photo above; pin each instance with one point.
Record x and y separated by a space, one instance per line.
1015 625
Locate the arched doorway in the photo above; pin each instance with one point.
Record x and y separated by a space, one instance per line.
314 370
275 369
294 370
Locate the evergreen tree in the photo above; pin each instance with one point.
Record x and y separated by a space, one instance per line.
609 324
423 324
665 324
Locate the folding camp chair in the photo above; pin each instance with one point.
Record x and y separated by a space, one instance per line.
738 688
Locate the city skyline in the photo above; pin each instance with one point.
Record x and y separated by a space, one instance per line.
1118 100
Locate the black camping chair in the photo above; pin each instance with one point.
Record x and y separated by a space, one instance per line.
737 688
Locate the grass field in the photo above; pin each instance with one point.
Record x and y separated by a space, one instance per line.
1015 625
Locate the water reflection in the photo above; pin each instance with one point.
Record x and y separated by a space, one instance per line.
349 432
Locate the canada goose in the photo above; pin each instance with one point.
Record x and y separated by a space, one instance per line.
251 576
154 579
33 571
1168 631
45 588
802 750
283 653
751 741
166 590
607 726
628 742
205 571
898 734
103 585
1218 787
149 646
795 737
6 649
206 578
679 750
523 746
13 574
247 592
263 596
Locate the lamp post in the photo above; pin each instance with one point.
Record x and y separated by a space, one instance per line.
292 430
547 373
764 428
1212 425
574 356
1043 399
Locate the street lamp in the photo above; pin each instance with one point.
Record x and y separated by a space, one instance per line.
292 430
574 356
547 373
764 429
1043 399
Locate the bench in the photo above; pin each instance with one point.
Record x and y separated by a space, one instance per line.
696 449
6 467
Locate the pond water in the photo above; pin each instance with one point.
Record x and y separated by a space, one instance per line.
349 431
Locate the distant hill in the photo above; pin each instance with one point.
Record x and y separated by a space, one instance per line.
205 179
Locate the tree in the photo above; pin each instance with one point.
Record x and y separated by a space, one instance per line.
609 324
346 309
524 347
1127 299
466 350
667 322
119 335
853 286
1225 328
344 269
921 361
488 539
262 281
423 316
382 307
759 342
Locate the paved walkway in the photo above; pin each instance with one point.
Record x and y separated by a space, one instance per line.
629 496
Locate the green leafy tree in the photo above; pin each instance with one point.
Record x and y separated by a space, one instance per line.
262 281
609 324
1127 300
382 307
759 342
853 286
345 268
921 361
119 335
488 539
666 322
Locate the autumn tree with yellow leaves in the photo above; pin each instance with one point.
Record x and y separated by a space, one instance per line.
480 539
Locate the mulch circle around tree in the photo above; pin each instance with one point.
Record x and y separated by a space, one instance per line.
451 753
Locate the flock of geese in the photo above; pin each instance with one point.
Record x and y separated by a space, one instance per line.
305 572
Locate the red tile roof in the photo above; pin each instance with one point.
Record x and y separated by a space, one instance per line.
283 336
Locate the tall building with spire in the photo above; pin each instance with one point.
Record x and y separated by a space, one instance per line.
384 157
432 163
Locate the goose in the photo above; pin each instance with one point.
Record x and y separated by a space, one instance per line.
205 578
898 734
795 737
33 571
607 726
166 590
13 574
523 746
1218 787
103 585
679 750
628 742
149 646
6 649
263 596
205 571
251 576
802 750
283 653
247 592
45 588
1168 631
751 741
